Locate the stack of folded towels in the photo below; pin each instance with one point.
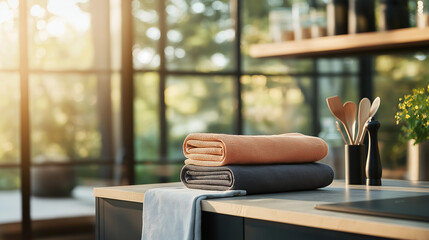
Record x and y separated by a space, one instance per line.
234 165
257 164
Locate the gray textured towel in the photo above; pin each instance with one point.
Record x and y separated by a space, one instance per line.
257 179
175 213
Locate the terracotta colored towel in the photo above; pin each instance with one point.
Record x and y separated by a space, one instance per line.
257 179
210 149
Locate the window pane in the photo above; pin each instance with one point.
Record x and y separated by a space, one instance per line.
174 172
9 27
60 35
275 105
146 123
148 173
198 104
146 34
64 118
158 173
345 87
9 122
10 196
338 65
66 191
255 30
200 35
395 76
94 176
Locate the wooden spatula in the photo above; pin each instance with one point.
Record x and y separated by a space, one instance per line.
350 111
363 114
374 107
373 110
336 107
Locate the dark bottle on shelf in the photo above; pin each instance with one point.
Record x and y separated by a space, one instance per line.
361 16
393 14
337 17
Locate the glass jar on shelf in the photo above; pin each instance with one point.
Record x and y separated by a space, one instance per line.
301 20
318 22
280 25
422 13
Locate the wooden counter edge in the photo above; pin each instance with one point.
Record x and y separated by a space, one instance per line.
135 193
381 227
131 193
376 226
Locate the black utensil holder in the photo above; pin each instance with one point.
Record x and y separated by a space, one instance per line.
355 156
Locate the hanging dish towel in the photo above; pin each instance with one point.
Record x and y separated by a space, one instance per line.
175 213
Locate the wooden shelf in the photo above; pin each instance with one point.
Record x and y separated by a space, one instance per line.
345 44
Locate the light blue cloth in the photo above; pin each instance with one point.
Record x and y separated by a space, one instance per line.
175 213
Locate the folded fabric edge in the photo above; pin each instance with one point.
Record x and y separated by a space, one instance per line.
185 144
184 179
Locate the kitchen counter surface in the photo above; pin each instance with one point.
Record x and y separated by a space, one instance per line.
298 207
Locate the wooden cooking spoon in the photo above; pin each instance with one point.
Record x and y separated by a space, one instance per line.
336 107
350 111
363 114
374 107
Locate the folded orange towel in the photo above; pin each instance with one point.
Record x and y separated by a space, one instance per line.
210 149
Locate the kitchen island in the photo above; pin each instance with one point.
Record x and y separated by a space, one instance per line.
289 215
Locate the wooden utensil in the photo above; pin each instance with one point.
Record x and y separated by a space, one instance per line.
336 107
350 111
374 107
341 132
363 114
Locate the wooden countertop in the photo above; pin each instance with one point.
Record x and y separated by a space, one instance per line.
298 207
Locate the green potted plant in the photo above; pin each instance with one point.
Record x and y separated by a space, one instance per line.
413 115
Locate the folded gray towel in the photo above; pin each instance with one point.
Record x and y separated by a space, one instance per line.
257 179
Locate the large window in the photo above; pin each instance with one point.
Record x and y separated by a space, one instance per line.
192 73
58 106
